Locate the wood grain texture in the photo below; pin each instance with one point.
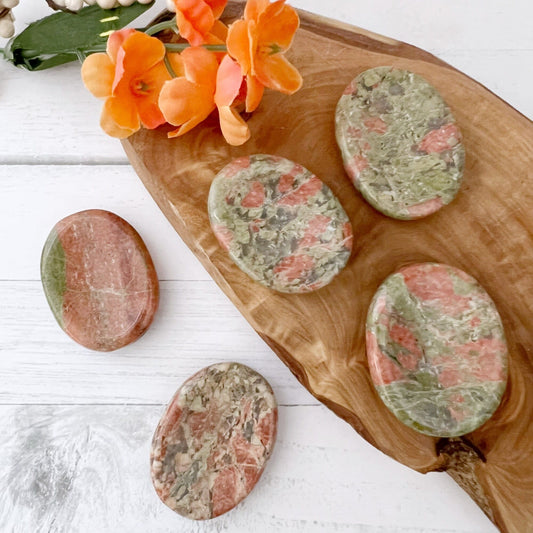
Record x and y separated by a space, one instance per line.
85 469
486 231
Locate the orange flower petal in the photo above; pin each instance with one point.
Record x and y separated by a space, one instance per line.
277 73
277 26
218 34
234 128
238 44
137 55
97 73
254 8
254 93
182 101
185 128
253 47
188 31
176 62
115 40
217 7
119 120
194 19
200 66
142 52
147 105
229 81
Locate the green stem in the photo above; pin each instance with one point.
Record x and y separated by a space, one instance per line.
174 47
166 25
169 67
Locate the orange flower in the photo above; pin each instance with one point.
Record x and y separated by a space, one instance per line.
258 43
197 21
229 82
129 76
202 87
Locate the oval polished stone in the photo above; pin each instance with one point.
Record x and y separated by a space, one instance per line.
99 280
400 144
436 349
211 445
280 223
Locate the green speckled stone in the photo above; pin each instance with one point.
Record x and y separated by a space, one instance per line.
399 142
214 440
279 223
436 349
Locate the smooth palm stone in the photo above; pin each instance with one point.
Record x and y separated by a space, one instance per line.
212 444
400 143
99 280
436 349
280 223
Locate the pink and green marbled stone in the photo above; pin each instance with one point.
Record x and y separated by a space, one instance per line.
211 445
436 349
99 280
280 223
400 143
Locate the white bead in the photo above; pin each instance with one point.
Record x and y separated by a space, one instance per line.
171 6
144 1
74 5
106 4
7 28
125 3
9 3
90 2
61 3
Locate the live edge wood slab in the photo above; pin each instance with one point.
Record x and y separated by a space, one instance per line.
486 231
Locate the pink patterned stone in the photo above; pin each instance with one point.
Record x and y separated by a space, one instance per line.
99 280
279 223
436 349
211 445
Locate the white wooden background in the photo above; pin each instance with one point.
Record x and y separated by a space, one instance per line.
76 426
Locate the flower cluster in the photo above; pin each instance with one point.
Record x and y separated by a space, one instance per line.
147 83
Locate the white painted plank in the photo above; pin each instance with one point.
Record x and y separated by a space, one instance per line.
438 24
196 326
85 469
34 198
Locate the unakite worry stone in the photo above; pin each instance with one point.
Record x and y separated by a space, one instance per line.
280 223
99 280
436 349
400 143
214 440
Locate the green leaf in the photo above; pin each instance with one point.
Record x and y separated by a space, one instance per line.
64 37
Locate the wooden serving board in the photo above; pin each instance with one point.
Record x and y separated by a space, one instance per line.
487 231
